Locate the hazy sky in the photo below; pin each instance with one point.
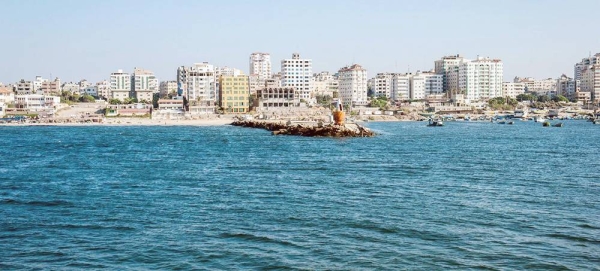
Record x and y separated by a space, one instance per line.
90 39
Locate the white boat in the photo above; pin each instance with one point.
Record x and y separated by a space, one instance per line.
539 119
520 113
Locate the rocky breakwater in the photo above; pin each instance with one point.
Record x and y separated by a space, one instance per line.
314 130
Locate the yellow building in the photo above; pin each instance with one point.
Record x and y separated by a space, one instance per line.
234 94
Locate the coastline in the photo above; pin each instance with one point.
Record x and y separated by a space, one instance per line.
136 122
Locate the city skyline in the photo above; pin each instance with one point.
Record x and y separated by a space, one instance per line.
84 40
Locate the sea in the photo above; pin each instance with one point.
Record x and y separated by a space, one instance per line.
466 196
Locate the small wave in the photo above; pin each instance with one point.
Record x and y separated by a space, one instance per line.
255 238
588 226
94 227
573 238
35 203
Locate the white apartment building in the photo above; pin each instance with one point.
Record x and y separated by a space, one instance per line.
382 85
297 73
353 85
83 84
585 62
566 86
255 84
120 85
423 84
144 85
400 87
512 89
199 84
590 81
260 64
445 66
227 71
37 102
103 89
539 86
90 90
37 84
167 87
480 79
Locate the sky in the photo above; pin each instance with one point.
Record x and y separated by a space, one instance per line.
85 39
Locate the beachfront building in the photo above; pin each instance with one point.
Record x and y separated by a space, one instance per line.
480 79
353 85
423 84
25 87
7 96
167 88
325 84
445 66
234 94
512 89
566 86
590 82
382 85
277 98
540 87
50 87
584 63
144 85
297 73
37 102
260 65
120 85
198 84
103 89
400 90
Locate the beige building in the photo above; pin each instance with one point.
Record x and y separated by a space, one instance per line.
167 87
270 98
512 89
590 81
234 94
51 87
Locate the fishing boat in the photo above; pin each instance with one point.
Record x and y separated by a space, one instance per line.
435 123
560 124
538 119
546 124
510 122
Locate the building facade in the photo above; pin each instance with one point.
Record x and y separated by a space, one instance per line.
167 87
25 87
590 82
512 89
325 84
198 84
270 98
566 86
382 85
144 85
400 87
260 65
423 84
103 89
481 79
234 94
584 63
445 66
120 85
353 85
297 73
51 87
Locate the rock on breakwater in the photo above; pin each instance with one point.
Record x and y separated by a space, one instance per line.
313 130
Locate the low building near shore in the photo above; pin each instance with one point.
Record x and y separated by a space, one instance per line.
277 98
37 102
129 110
169 109
2 109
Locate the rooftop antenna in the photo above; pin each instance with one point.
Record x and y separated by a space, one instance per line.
409 68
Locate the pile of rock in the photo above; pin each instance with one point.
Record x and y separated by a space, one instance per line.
349 130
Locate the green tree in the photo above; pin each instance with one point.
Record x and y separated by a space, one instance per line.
543 99
114 101
155 99
526 97
560 98
86 98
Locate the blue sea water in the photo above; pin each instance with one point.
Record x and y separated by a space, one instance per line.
464 196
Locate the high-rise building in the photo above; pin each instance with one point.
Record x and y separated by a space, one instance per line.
198 85
297 73
353 85
446 65
585 62
566 86
120 85
423 84
590 81
400 87
144 85
480 79
234 93
382 85
260 64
